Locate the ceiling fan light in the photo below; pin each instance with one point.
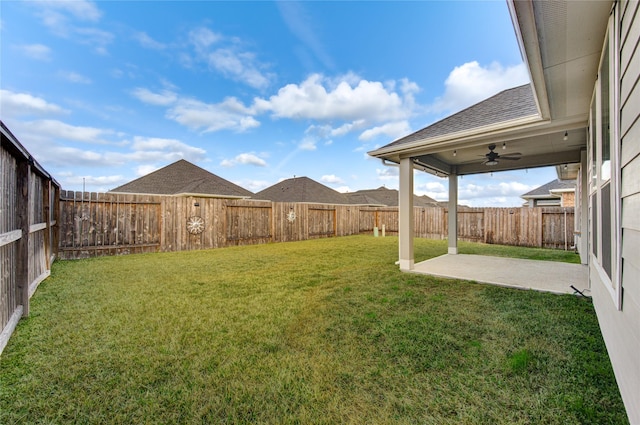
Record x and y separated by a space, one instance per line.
492 162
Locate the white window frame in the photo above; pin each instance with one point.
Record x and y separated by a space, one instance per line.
612 283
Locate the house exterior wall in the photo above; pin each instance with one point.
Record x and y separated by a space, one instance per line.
621 326
568 199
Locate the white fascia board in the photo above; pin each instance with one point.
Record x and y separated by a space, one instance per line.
548 196
444 141
530 126
524 25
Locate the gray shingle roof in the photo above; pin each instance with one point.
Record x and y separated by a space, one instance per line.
507 105
545 189
384 196
183 177
301 189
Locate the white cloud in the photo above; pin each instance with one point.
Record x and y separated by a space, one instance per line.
317 98
471 83
387 173
36 51
238 66
143 170
59 130
300 23
163 98
202 38
254 185
146 41
433 189
343 189
74 77
244 159
80 9
227 57
435 186
57 14
61 18
46 138
94 37
230 114
331 179
392 130
348 127
480 192
151 144
109 181
321 99
21 104
502 189
65 156
308 144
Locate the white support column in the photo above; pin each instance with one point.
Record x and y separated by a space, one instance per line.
583 204
453 214
405 219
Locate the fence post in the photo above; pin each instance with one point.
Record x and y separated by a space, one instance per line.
23 215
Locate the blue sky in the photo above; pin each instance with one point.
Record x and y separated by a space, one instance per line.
255 92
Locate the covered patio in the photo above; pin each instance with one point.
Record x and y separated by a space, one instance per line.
520 128
544 276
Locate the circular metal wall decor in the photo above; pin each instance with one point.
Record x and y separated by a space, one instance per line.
291 216
195 225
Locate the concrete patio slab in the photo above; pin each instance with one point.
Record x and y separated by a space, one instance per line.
545 276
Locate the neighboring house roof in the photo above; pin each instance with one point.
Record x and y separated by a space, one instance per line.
301 189
183 177
548 190
507 105
387 197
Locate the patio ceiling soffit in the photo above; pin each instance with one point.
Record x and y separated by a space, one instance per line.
435 155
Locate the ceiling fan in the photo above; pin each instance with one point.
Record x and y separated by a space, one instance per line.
492 157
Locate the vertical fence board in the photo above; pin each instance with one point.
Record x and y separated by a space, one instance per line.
8 223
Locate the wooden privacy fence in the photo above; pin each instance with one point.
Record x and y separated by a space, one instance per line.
548 227
29 204
94 224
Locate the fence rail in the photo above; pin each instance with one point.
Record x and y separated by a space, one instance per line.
95 224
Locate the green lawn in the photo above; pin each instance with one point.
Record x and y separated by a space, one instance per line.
320 332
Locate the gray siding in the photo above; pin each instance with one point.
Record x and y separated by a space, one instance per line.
621 329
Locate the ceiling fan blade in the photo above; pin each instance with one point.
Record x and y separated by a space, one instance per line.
510 158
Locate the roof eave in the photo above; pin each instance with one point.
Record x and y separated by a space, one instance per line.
567 190
184 194
212 195
548 196
524 25
446 141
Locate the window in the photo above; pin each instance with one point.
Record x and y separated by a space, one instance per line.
603 151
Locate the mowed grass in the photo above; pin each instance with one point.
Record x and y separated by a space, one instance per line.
321 332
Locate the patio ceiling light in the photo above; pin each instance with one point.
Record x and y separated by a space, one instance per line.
493 162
